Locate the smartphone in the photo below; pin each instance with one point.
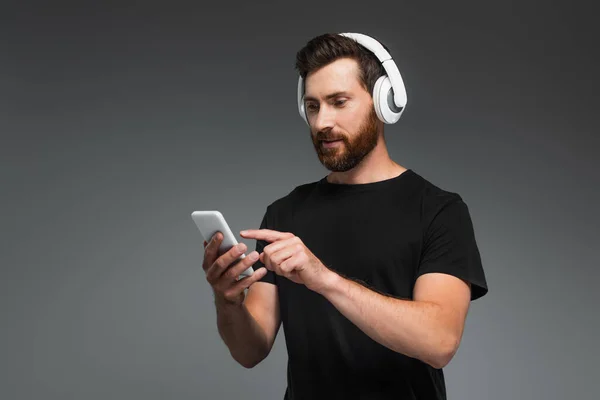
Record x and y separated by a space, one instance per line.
211 222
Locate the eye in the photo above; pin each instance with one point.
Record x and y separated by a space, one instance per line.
311 107
340 102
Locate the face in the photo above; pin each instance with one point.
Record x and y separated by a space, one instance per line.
338 107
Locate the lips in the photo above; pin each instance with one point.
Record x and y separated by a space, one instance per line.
330 144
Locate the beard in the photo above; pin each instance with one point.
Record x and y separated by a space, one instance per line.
350 152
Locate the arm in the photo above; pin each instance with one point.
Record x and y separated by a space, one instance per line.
249 328
428 328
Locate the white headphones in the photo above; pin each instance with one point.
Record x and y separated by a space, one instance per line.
389 93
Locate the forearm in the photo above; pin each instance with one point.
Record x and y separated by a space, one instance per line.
413 328
246 340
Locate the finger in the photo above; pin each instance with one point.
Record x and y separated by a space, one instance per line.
265 234
234 271
283 254
291 264
264 259
221 264
234 291
247 281
211 250
278 245
277 252
216 239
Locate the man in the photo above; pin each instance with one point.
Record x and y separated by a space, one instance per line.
370 270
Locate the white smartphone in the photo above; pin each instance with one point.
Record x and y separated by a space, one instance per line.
211 222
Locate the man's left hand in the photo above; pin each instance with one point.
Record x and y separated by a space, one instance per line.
288 256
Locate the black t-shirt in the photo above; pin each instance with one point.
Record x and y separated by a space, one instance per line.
383 235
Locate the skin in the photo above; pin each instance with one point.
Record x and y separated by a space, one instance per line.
429 327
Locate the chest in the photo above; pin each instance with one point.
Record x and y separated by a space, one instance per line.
376 244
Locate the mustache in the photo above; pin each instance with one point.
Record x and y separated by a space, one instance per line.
322 136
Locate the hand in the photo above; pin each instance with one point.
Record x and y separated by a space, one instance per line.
289 257
222 271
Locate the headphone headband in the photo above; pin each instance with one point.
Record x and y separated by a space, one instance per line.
388 64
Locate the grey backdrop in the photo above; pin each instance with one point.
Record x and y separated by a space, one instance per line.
119 120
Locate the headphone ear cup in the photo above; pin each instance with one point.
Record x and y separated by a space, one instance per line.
300 96
302 112
382 95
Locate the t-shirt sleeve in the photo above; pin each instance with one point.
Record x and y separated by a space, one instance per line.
450 247
260 245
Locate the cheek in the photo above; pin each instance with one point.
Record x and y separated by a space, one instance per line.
353 119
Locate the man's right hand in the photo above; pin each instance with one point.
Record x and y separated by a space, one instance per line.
222 270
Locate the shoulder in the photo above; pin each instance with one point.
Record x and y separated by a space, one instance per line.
435 198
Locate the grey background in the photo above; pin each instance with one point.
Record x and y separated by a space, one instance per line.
119 120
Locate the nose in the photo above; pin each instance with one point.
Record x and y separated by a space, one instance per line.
324 119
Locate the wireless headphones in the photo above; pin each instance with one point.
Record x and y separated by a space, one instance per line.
389 93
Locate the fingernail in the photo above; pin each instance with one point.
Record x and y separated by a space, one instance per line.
253 256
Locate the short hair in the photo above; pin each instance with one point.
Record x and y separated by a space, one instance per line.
329 47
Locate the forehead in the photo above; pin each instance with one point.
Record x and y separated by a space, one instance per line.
338 76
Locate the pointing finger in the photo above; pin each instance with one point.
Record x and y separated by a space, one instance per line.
265 234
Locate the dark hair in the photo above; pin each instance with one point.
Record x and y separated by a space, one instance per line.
329 47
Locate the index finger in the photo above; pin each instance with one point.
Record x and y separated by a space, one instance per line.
210 250
264 234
